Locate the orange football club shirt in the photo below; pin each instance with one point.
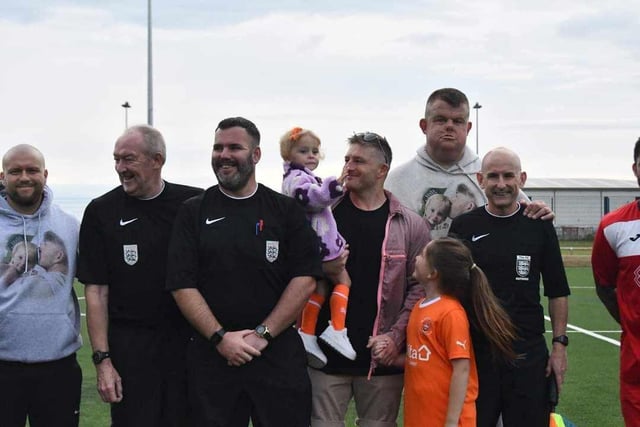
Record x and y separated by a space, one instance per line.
438 332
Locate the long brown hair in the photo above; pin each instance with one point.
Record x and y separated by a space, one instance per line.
462 279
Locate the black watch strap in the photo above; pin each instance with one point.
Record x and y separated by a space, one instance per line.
562 339
217 337
98 356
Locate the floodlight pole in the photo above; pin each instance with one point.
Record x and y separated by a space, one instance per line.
477 107
126 107
149 69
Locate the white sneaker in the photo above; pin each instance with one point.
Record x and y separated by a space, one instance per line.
339 341
315 357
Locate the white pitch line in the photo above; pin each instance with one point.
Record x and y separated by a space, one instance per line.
597 332
590 333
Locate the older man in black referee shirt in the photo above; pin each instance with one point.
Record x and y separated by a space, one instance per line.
136 331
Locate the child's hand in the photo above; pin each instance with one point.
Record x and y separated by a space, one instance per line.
18 262
376 344
383 350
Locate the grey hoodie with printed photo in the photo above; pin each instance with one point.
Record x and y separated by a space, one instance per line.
39 313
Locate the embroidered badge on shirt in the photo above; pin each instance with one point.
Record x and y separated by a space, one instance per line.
130 253
272 250
523 264
426 326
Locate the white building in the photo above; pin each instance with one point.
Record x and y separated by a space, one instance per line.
580 203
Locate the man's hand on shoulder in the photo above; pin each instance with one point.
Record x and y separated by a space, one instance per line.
537 209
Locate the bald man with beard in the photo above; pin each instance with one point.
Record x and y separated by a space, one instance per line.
40 379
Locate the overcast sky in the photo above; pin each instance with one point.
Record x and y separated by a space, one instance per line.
559 82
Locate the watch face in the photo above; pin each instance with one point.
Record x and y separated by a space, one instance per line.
263 331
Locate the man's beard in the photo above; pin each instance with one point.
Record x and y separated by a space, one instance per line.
25 201
237 181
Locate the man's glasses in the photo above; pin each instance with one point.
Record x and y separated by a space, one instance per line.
369 137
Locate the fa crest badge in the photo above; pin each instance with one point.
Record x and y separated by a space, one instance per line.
272 250
130 253
523 264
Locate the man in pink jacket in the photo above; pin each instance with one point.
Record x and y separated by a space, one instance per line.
384 238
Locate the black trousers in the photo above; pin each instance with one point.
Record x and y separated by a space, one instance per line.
519 391
273 390
47 393
151 363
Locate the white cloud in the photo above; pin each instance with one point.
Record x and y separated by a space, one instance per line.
553 86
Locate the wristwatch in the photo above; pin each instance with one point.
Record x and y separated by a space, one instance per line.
263 332
217 337
98 356
562 339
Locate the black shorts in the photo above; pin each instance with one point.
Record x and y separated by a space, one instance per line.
519 391
151 363
272 390
47 393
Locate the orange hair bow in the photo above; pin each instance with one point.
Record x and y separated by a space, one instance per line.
295 133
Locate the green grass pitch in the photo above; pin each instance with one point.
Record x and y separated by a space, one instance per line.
590 394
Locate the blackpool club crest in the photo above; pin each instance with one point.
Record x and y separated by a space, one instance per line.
523 265
130 253
272 249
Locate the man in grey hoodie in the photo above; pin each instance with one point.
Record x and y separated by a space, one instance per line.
40 378
445 165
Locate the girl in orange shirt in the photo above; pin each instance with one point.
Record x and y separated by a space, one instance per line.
441 383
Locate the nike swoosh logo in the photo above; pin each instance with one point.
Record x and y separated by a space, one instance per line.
211 221
476 238
123 222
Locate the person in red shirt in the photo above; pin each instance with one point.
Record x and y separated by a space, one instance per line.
615 260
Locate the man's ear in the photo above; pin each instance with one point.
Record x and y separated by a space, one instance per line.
257 154
423 125
523 178
480 179
158 160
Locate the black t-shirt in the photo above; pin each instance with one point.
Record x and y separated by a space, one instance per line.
241 253
364 231
123 245
514 251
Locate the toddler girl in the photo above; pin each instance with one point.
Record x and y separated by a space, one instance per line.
300 150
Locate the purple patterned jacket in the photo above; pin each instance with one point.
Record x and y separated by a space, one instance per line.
316 197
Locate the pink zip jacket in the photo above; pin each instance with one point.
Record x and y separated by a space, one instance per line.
406 235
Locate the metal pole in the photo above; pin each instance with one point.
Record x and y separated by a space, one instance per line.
477 107
126 107
149 70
